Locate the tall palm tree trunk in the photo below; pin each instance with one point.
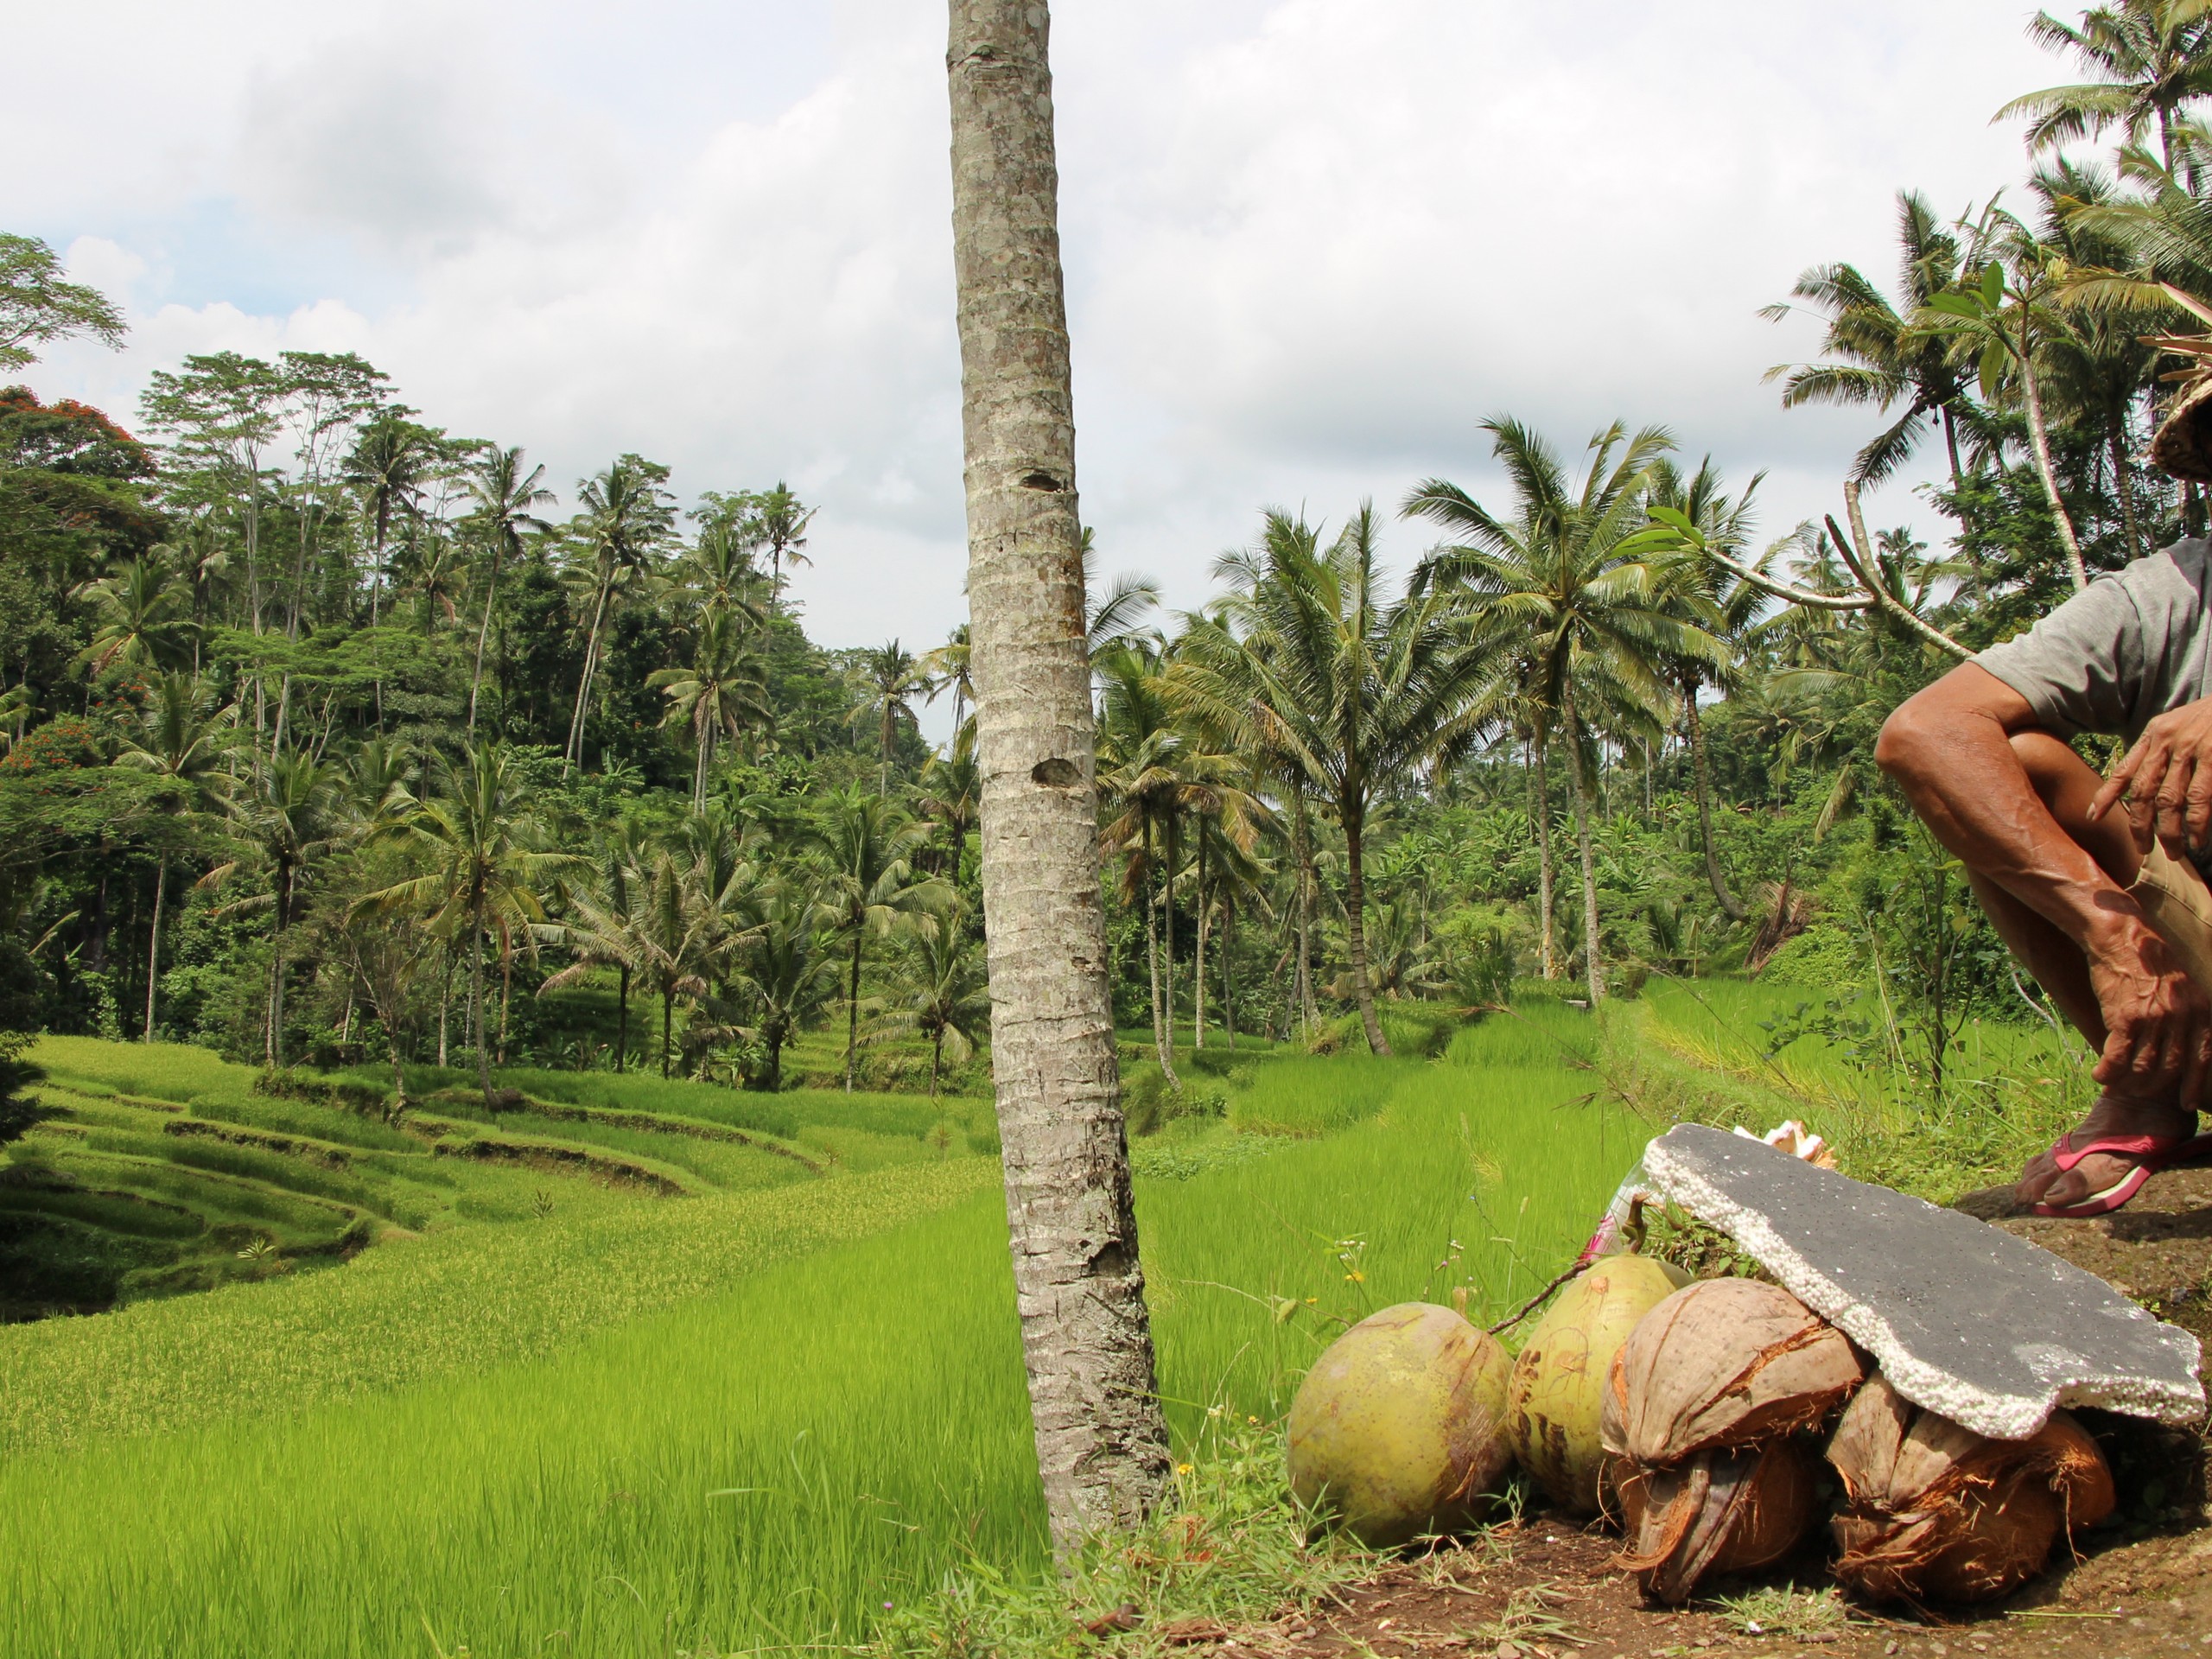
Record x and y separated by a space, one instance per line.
1163 1033
1229 976
667 1021
273 1047
2124 487
483 633
476 1007
1356 927
1590 954
2040 440
1167 936
1198 970
853 1015
1538 767
154 942
574 753
621 1022
1302 851
1702 772
1102 1440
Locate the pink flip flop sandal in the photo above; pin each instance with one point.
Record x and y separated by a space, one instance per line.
2152 1152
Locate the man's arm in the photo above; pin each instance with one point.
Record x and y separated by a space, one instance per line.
1950 748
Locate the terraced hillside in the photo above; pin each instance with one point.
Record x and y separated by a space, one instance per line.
162 1169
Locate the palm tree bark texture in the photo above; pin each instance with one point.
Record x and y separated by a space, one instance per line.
1101 1441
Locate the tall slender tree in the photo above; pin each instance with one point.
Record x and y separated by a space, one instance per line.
867 846
1101 1441
1364 689
507 498
181 743
1565 582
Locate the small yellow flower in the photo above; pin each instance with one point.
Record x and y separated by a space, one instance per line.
1182 1468
1355 1277
1253 1420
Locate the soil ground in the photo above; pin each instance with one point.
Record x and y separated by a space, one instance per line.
2140 1586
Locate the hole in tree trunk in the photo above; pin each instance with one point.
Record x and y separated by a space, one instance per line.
1041 481
1055 774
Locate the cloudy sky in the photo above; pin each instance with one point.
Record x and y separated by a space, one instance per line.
1311 244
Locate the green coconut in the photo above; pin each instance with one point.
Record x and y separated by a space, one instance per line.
1399 1428
1558 1390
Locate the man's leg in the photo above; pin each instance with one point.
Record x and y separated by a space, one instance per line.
2066 783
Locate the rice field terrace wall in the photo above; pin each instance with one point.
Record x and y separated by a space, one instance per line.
161 1169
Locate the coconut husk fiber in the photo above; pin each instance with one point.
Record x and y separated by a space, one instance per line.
1724 1363
1720 1511
1702 1412
1935 1512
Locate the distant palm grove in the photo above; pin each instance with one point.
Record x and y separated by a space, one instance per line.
330 736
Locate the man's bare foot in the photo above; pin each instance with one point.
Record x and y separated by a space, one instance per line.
2043 1182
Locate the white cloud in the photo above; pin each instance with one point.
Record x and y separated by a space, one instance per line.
1311 243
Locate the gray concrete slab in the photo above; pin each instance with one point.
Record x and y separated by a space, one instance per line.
1966 1319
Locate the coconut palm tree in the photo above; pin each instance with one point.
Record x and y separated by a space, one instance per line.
1102 1440
786 971
941 991
947 668
391 463
952 787
1145 786
144 618
717 572
1364 690
724 690
866 846
487 872
285 814
626 519
182 743
1877 358
1565 583
2151 59
895 677
779 519
506 497
600 915
1730 603
2003 322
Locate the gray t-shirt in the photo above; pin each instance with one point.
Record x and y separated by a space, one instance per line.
2128 647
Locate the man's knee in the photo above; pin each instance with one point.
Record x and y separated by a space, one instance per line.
2055 772
2067 784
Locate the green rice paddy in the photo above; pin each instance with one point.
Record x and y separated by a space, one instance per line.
748 1417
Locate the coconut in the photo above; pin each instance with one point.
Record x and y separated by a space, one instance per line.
1720 1511
1699 1412
1558 1389
1935 1512
1399 1428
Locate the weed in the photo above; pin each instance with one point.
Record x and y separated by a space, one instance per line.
1781 1610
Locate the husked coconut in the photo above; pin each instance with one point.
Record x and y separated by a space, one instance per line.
1558 1391
1700 1411
1399 1428
1935 1512
1718 1511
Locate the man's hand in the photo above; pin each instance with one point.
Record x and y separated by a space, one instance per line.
2167 780
2158 1024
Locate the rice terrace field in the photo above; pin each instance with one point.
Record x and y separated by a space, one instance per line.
551 1408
